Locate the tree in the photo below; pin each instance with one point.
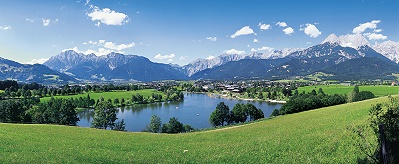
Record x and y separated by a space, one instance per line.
104 115
313 92
253 112
155 124
122 101
187 128
175 125
68 115
275 112
116 101
220 115
120 126
238 113
320 91
364 95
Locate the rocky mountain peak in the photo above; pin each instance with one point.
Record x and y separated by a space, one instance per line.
350 40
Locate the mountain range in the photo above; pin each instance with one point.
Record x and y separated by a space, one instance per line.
114 67
346 57
11 70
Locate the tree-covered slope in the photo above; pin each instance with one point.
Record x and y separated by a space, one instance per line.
363 69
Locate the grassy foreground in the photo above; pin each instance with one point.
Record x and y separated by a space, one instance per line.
111 95
378 90
317 136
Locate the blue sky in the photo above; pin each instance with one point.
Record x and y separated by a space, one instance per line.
178 31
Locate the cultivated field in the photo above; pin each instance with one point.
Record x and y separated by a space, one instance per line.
378 90
316 136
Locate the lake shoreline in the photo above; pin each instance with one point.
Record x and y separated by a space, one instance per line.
237 98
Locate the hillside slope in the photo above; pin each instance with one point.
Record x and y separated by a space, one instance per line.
317 136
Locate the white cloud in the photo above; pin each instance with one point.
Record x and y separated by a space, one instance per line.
170 60
377 30
256 41
374 36
281 24
46 22
74 49
99 52
311 30
253 49
119 47
264 48
104 47
110 45
30 20
183 57
308 42
288 31
233 51
37 61
161 57
210 57
212 38
246 30
363 27
107 16
248 45
87 2
264 26
5 27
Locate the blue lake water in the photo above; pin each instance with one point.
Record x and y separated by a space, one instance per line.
193 110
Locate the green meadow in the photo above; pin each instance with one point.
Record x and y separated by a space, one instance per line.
316 136
378 90
110 95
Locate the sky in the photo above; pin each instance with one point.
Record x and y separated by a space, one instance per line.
180 31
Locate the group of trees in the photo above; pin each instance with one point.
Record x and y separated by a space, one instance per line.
173 126
15 110
240 113
54 111
355 95
313 100
275 92
308 101
31 110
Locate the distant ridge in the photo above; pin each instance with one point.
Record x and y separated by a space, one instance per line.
11 70
111 67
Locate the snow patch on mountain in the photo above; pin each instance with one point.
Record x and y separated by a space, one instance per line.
389 49
350 40
202 64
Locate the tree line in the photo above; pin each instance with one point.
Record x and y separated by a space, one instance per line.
313 100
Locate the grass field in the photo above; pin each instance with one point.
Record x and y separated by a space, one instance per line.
316 136
378 90
111 95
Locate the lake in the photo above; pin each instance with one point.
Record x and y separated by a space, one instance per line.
194 110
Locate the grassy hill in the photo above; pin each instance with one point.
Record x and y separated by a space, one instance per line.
317 136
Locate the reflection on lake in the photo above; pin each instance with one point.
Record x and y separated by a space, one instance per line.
194 110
